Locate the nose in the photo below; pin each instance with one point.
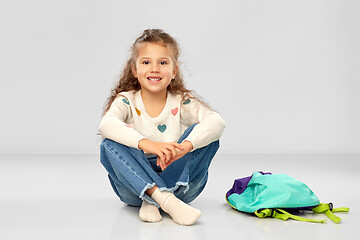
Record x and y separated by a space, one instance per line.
155 68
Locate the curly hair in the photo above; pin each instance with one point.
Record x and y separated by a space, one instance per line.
127 80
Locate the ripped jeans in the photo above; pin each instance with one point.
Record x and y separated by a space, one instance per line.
131 172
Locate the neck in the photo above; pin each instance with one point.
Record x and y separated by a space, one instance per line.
149 97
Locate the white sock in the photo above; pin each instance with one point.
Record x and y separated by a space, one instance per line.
180 212
149 213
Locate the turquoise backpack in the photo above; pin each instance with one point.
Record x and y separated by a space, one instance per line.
275 195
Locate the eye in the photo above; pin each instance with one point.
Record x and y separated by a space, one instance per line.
163 63
146 62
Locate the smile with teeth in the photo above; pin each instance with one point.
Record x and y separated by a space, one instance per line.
154 79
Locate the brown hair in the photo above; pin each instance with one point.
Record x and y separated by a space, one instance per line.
127 80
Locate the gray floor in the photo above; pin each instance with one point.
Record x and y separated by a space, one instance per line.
69 197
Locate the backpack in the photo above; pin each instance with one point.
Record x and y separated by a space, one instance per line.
275 195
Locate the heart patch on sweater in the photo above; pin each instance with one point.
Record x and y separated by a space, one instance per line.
161 128
125 101
138 111
174 111
187 102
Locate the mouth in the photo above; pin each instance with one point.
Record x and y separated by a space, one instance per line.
154 79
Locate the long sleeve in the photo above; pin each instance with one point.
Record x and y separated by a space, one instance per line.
210 125
117 123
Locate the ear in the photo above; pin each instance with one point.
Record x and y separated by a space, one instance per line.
176 69
133 70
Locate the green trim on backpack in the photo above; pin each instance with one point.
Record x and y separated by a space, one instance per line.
283 215
321 208
328 210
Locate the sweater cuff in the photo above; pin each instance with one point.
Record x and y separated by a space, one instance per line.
135 142
193 142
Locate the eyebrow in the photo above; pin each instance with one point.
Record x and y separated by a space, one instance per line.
150 58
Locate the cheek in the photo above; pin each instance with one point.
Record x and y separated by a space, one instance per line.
168 71
141 71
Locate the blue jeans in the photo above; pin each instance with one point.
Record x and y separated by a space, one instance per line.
131 173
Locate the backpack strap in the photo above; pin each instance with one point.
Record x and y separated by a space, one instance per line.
328 210
321 208
283 215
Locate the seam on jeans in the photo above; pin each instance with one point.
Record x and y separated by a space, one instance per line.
121 159
199 152
148 185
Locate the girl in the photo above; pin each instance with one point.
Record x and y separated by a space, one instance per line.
159 139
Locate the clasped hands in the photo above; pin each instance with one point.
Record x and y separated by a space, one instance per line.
167 152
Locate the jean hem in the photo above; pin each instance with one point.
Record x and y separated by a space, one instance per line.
176 187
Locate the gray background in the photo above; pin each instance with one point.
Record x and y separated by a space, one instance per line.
283 74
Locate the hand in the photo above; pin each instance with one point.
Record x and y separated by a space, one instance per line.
164 151
187 147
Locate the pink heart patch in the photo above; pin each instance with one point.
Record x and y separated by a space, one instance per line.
174 111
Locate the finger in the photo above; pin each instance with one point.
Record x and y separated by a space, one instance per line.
168 156
161 158
173 150
163 166
164 163
178 145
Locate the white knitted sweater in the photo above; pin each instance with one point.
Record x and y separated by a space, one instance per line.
127 121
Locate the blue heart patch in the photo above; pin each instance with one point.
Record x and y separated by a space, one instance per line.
125 101
187 102
162 128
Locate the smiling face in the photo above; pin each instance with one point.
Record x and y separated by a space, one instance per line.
154 68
